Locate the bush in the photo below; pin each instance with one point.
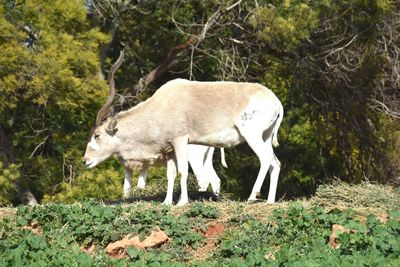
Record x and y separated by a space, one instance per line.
8 178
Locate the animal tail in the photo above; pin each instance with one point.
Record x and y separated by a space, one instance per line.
223 162
276 126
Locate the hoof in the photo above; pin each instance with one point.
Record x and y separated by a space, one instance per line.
165 202
254 196
182 203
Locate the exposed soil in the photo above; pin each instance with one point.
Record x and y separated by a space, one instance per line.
214 230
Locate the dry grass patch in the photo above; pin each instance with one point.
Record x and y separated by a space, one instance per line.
7 213
360 196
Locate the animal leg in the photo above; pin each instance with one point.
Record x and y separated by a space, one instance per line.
275 168
127 181
171 174
180 146
215 181
142 177
256 126
197 155
265 155
210 172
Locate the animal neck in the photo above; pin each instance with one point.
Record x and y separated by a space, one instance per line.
133 132
134 113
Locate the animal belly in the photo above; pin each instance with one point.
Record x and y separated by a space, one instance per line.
226 138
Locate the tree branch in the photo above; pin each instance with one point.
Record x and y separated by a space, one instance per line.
143 82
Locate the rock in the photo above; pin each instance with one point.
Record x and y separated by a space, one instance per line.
118 249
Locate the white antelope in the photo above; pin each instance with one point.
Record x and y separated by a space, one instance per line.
182 112
200 159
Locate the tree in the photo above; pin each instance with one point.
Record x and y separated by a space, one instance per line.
340 67
49 86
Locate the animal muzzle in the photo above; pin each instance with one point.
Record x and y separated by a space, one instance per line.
89 163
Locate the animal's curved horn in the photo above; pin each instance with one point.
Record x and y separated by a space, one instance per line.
103 112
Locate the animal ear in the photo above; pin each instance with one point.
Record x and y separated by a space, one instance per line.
111 128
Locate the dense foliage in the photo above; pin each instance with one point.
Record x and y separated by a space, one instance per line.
292 236
49 87
332 63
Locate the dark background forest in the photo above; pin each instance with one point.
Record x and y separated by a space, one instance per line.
333 63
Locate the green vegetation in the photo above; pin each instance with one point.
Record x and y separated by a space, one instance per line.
260 234
8 176
333 64
48 89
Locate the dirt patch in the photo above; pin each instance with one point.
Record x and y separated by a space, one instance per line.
335 231
214 231
271 255
34 228
362 214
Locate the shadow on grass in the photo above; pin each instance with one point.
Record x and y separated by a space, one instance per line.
160 196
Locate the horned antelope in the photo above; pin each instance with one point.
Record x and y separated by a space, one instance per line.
200 159
182 112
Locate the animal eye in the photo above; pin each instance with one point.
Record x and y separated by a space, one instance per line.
96 136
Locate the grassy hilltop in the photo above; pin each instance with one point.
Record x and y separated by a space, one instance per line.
341 225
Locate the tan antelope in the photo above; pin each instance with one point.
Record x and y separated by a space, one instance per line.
200 159
182 112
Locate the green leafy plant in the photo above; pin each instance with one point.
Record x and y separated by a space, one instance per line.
8 177
292 235
202 210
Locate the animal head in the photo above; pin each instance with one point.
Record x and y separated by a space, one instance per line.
103 141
